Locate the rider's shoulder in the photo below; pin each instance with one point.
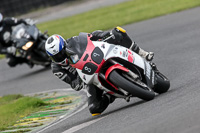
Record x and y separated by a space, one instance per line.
10 20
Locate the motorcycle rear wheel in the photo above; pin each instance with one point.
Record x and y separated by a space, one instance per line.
130 87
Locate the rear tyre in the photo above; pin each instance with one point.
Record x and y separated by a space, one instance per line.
162 83
130 87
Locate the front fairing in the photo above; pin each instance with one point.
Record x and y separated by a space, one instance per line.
24 32
20 42
33 32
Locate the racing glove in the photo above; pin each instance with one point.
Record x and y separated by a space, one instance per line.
96 35
77 84
11 50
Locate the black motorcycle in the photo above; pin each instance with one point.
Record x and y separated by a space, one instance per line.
30 44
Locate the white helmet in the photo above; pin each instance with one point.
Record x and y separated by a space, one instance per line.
1 17
55 48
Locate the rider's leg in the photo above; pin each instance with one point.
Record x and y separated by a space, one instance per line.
97 101
123 39
13 61
147 55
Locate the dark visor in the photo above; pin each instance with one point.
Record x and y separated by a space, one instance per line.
59 57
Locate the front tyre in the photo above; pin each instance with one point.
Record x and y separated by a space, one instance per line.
130 87
162 83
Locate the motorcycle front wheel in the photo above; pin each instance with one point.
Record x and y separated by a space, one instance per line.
162 83
130 87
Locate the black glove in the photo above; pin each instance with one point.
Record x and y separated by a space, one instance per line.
77 84
118 36
96 35
11 50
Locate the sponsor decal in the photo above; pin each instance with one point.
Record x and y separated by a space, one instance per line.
153 77
84 77
130 56
115 50
148 70
103 45
124 54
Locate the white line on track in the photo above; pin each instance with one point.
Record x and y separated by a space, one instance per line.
78 127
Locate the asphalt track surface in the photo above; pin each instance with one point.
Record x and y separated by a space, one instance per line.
175 39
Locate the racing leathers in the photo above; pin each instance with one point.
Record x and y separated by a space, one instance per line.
98 101
6 44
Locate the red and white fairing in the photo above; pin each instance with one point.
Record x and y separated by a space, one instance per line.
87 62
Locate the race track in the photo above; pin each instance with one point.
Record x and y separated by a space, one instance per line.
175 39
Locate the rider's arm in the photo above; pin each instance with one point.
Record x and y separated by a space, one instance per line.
67 74
99 34
120 37
7 50
14 21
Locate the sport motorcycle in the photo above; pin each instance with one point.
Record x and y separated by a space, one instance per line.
30 44
116 70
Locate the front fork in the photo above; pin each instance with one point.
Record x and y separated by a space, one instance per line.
116 65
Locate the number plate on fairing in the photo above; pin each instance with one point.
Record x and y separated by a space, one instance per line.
89 68
97 55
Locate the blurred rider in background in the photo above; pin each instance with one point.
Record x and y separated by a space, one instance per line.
6 44
55 47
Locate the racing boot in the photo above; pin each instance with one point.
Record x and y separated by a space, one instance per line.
30 64
99 107
146 55
111 98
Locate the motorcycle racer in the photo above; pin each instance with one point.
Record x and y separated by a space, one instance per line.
6 25
55 47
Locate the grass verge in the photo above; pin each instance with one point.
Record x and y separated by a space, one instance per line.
117 15
12 107
2 56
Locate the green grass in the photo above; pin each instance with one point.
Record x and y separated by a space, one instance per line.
117 15
14 106
2 56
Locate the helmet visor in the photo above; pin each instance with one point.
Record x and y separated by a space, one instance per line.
59 57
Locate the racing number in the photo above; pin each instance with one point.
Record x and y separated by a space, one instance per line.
95 54
89 68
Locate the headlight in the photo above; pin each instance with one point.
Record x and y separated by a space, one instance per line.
27 45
